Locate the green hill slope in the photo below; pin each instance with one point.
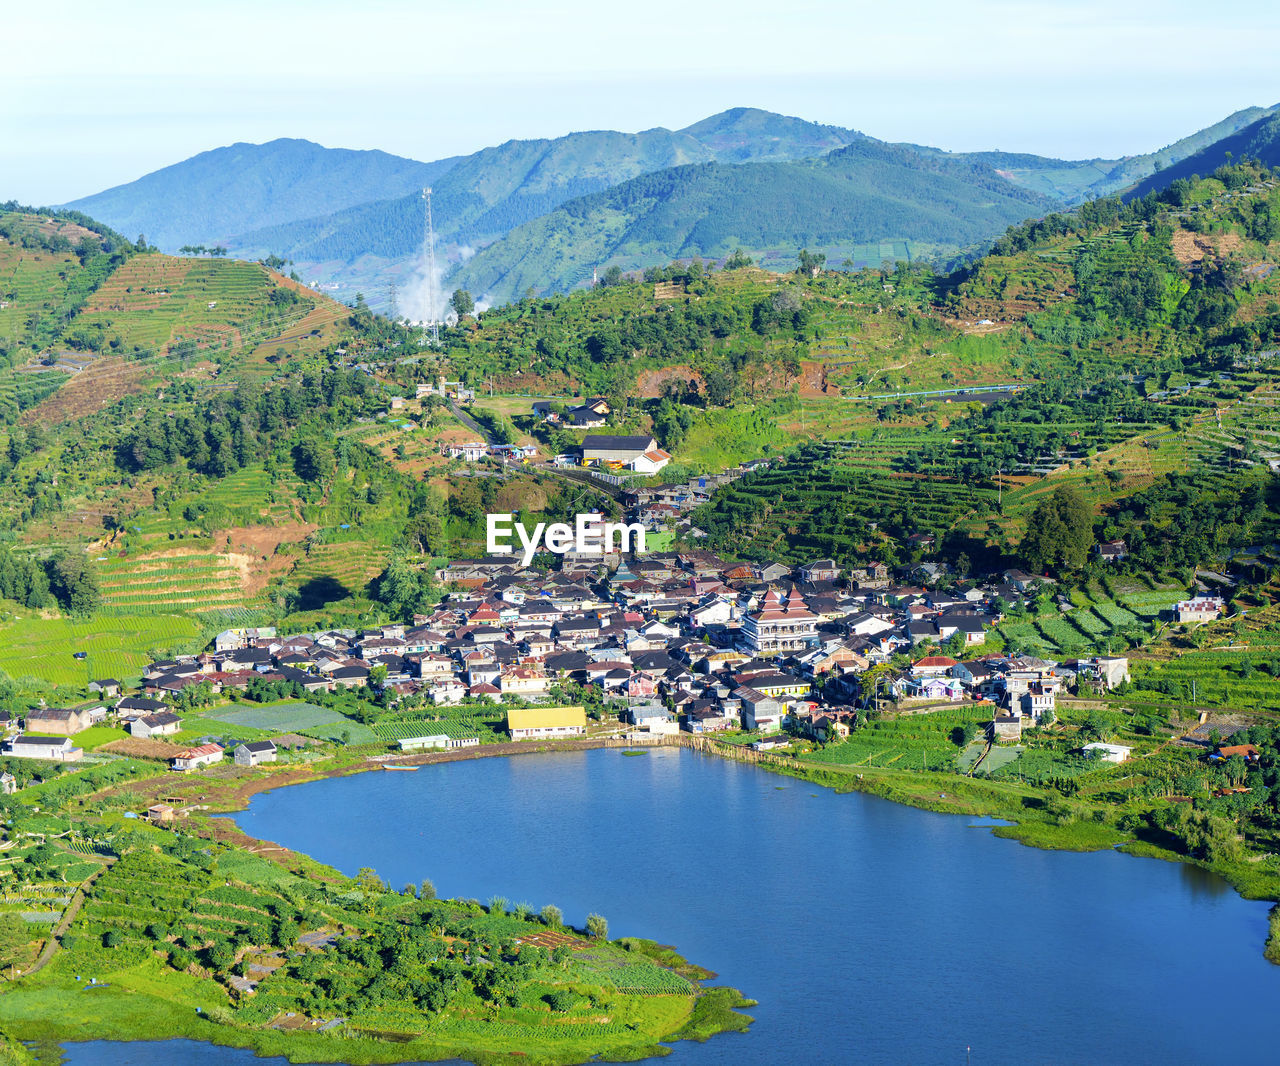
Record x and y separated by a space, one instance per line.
1074 180
1259 140
867 192
216 194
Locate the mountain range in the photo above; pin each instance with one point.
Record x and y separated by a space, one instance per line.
544 214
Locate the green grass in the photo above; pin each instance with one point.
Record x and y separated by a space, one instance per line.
96 736
294 718
118 646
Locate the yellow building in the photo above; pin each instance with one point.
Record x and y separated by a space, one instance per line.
530 723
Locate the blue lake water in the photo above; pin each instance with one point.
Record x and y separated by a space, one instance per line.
869 932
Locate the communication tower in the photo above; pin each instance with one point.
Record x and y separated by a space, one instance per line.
432 334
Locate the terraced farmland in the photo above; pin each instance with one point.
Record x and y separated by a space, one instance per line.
114 646
814 507
182 578
328 568
154 301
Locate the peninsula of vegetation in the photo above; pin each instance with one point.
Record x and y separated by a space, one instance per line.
177 925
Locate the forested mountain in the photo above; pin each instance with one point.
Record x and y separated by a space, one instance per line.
1259 140
353 220
866 192
497 189
214 195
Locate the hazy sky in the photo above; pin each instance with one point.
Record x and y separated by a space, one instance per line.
96 94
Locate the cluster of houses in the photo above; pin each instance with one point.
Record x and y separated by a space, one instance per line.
673 640
670 640
474 451
46 732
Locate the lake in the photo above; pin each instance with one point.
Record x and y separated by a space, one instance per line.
868 931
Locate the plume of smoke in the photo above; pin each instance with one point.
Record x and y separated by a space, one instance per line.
423 292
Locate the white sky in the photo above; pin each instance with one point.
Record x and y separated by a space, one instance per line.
96 94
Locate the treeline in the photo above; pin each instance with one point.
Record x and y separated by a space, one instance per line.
64 579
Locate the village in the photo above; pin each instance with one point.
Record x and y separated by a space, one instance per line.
655 644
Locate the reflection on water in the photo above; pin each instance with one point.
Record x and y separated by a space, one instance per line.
1202 884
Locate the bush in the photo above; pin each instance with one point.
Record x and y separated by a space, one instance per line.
562 1000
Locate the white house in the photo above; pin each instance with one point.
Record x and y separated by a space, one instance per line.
437 740
253 753
638 453
1199 609
162 724
57 749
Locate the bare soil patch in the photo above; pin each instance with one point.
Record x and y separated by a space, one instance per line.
104 382
651 383
141 748
1191 248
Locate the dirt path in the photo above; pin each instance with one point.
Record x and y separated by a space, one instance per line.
64 923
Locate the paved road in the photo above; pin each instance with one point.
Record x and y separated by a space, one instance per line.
470 422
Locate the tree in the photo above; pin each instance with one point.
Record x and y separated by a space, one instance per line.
612 276
1059 532
462 302
720 383
597 926
738 260
405 589
428 889
368 881
73 583
811 263
15 937
552 916
312 459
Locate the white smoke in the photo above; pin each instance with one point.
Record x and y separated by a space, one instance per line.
465 252
484 303
423 297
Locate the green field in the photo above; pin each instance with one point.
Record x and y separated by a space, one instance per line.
295 718
118 646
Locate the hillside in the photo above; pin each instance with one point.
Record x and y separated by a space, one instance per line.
1073 181
229 462
1259 140
865 194
212 196
1106 350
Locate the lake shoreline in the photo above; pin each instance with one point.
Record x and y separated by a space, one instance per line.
954 795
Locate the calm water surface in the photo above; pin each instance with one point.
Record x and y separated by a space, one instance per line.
869 932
